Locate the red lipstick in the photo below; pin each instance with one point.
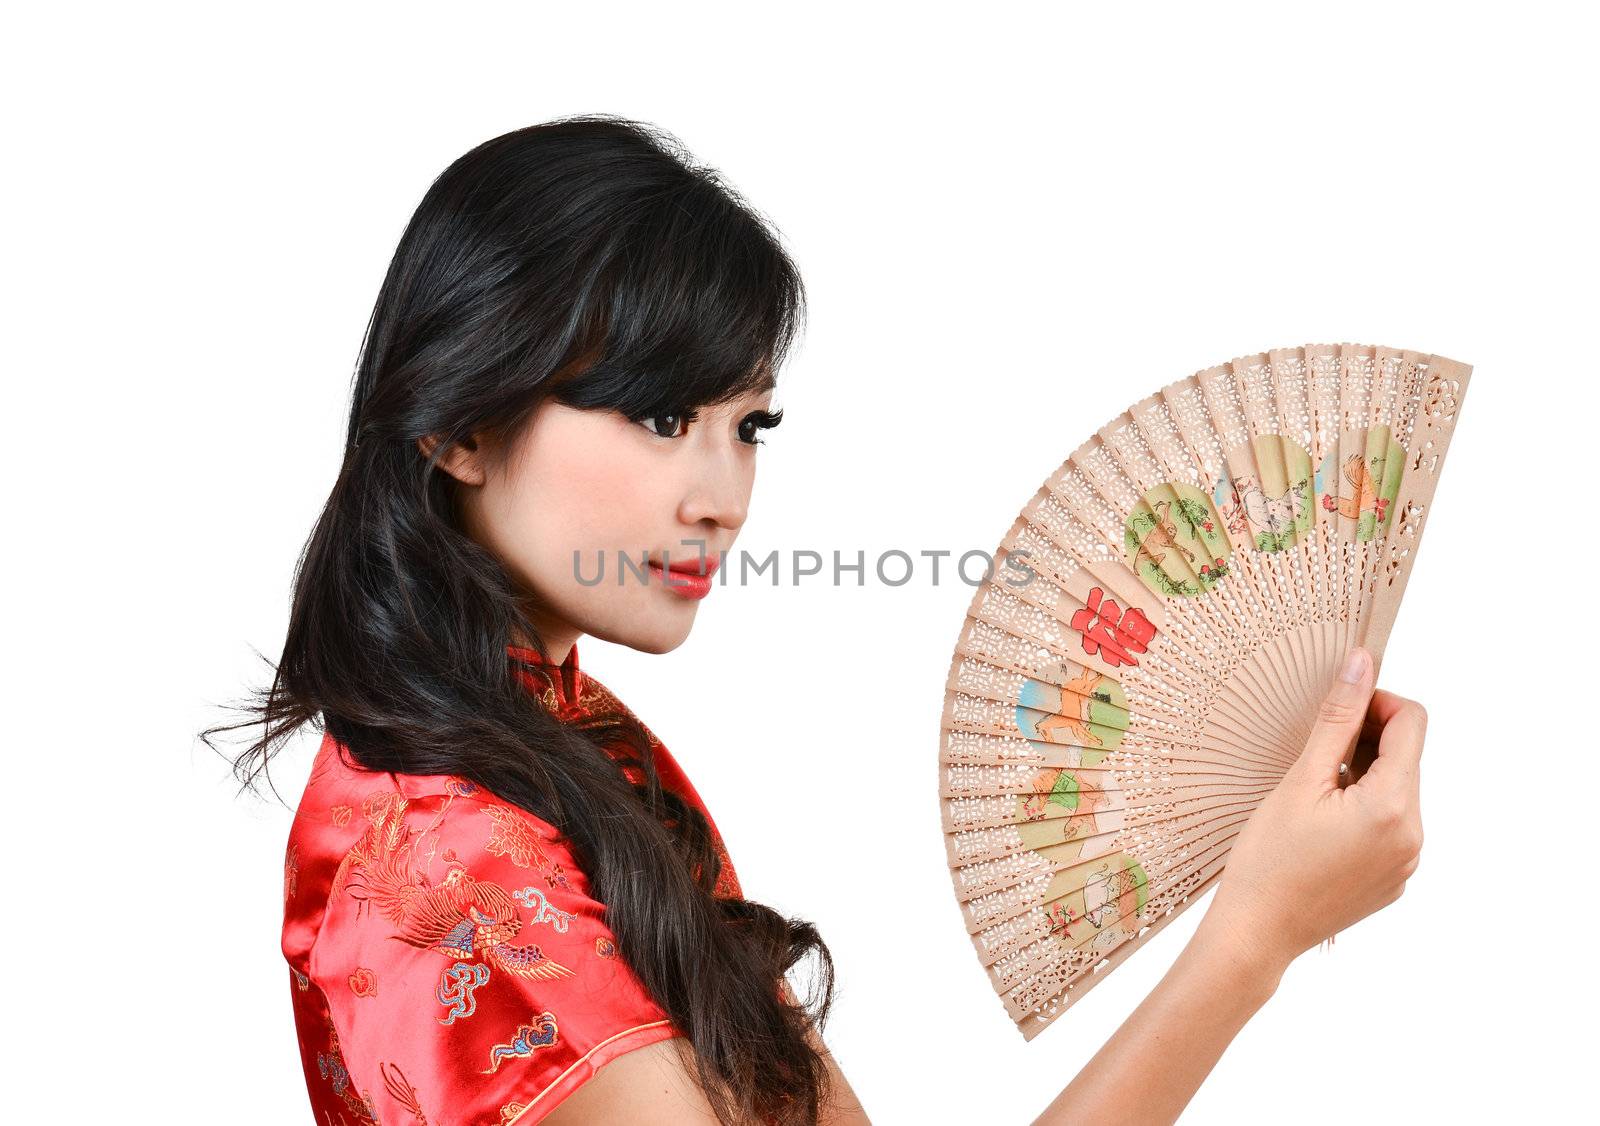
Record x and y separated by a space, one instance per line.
690 578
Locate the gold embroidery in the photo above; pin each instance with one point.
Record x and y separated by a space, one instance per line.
461 917
513 838
291 872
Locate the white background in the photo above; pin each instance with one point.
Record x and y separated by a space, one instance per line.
1013 224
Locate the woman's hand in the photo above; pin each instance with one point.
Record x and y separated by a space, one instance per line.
1314 858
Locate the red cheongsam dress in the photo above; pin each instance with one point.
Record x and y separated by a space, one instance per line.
448 964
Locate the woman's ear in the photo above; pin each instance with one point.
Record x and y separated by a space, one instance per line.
462 460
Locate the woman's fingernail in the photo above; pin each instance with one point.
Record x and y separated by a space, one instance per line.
1355 666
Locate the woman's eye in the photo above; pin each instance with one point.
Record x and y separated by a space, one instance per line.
668 425
752 424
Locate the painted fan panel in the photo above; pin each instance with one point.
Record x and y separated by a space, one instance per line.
1148 654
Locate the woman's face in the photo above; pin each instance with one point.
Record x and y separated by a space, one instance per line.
600 485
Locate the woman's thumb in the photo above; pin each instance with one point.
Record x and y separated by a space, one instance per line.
1339 719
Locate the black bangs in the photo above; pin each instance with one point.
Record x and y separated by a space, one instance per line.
690 301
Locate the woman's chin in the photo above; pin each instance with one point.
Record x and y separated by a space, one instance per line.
661 634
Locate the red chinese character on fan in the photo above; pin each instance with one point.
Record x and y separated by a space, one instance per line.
1111 634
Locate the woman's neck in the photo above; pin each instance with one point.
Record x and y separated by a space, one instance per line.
558 637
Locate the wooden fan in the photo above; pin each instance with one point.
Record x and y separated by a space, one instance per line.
1150 649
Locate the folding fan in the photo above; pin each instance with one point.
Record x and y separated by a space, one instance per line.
1150 648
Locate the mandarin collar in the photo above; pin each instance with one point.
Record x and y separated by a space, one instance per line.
559 686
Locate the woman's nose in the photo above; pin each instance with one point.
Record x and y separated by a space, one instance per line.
719 493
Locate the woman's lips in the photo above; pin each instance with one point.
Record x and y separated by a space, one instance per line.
684 579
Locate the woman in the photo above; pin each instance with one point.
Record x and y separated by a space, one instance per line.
571 357
504 902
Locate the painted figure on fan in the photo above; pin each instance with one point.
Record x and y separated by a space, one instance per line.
1363 486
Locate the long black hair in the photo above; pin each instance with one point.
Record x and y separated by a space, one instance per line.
590 259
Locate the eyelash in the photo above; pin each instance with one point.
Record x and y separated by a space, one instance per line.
761 420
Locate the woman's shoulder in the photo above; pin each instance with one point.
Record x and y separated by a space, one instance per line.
363 837
446 935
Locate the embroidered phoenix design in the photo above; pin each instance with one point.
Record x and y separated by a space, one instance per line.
463 918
